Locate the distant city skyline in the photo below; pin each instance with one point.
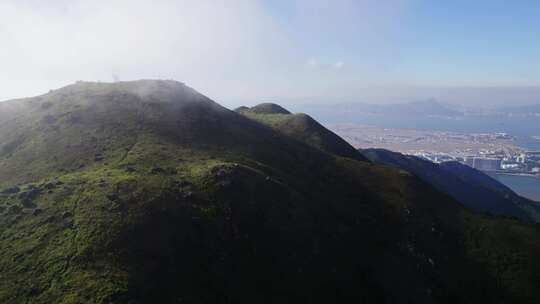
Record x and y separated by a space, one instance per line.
237 52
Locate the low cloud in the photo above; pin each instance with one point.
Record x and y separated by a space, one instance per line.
235 50
229 50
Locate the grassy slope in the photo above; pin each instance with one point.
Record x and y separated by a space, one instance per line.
302 127
188 201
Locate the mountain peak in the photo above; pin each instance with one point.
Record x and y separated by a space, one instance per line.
301 127
144 88
269 108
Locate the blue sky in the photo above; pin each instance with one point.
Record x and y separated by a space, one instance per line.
242 51
428 42
474 42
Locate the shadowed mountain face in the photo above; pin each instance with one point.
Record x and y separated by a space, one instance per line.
149 192
474 189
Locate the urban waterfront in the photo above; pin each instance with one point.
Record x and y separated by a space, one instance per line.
526 186
514 160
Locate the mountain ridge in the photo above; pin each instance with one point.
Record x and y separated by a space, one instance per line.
144 192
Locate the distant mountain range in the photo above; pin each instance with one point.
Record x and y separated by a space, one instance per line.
418 108
426 108
522 122
343 111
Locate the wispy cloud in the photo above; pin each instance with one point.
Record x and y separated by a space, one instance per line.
315 64
234 49
208 44
230 50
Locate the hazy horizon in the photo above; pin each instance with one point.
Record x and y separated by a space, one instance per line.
244 52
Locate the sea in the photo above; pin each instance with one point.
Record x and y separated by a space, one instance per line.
526 186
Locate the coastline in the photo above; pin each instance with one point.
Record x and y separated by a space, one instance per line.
526 185
515 174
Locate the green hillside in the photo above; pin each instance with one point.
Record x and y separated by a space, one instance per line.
149 192
301 127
